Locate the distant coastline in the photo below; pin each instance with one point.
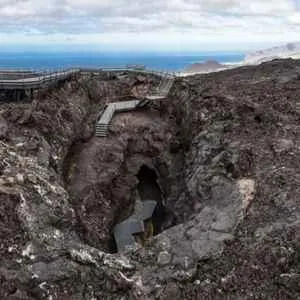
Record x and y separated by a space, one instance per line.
290 50
159 61
184 64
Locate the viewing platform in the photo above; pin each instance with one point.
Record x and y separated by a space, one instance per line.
34 80
31 80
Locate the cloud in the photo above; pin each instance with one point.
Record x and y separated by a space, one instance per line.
294 18
167 20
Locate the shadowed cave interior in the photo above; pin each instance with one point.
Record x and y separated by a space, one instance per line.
148 189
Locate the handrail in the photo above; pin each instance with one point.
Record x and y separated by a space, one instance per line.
107 114
43 77
38 80
46 76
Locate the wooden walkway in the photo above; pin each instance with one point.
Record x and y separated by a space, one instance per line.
35 81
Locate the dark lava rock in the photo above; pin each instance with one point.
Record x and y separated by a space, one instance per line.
3 127
224 149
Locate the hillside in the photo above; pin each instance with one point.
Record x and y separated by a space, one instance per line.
223 155
206 67
291 50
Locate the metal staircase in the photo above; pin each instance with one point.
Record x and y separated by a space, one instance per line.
102 130
164 87
102 126
36 80
160 93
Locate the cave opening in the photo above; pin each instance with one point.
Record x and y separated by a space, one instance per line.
147 216
149 189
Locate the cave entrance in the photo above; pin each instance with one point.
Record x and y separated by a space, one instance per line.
149 189
148 214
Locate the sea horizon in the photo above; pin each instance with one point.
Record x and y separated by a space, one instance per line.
167 61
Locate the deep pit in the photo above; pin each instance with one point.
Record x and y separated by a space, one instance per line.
230 189
103 175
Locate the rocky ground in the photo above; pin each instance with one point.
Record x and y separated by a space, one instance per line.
225 148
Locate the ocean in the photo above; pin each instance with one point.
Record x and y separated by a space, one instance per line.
163 61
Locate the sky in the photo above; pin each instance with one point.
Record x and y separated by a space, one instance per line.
148 25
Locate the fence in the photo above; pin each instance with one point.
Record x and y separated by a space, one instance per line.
41 77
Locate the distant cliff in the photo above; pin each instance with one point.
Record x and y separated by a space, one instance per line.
290 50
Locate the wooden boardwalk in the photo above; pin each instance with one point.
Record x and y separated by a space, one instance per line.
35 81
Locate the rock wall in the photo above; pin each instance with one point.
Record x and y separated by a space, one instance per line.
104 181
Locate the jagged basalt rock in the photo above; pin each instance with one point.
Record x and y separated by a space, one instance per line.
224 151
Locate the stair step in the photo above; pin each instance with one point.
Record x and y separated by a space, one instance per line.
102 126
97 128
102 130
